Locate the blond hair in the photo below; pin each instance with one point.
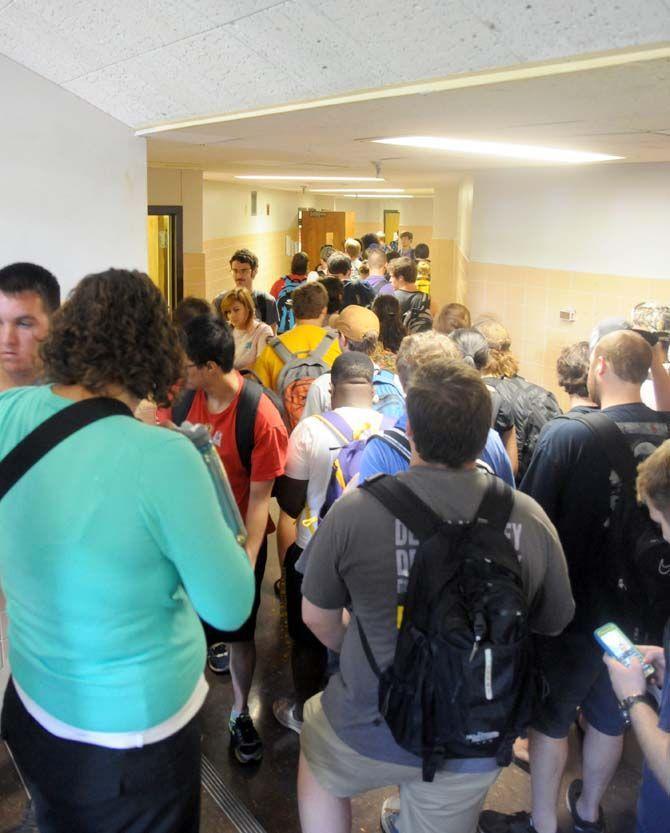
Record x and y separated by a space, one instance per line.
653 479
419 348
239 295
501 361
352 247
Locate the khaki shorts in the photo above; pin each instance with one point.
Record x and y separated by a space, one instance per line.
450 804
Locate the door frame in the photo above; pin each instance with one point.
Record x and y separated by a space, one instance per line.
176 214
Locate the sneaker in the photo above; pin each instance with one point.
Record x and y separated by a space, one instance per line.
390 814
490 821
284 711
579 824
244 739
218 658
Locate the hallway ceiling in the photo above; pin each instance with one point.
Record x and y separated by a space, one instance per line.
623 111
150 61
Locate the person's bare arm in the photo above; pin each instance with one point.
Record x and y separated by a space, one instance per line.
627 682
509 441
327 625
660 377
257 516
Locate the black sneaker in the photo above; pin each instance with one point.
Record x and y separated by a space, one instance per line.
490 821
218 658
579 824
244 739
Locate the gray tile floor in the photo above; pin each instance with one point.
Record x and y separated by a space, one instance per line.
267 790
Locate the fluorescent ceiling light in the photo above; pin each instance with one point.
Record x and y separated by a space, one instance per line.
310 178
530 153
356 196
359 191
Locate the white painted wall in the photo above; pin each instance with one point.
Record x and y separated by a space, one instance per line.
416 212
227 209
73 181
608 219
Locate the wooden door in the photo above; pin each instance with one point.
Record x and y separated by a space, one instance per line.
319 228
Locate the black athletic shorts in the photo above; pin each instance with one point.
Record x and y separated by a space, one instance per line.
573 674
246 632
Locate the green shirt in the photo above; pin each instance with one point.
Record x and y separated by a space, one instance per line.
108 547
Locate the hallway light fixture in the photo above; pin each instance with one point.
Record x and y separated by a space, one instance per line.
356 195
310 178
360 191
529 153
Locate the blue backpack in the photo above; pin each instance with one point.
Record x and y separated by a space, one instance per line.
388 397
348 461
285 305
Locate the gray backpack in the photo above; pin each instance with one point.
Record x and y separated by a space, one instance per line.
298 373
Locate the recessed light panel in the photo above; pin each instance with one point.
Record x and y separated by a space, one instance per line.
528 153
310 178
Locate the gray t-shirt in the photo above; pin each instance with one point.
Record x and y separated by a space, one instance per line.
351 561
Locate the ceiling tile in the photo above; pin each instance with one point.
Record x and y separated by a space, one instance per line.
225 11
65 39
542 29
211 72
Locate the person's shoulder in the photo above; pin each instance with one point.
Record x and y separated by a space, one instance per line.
527 512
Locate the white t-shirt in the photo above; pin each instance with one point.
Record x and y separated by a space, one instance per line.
318 397
312 449
250 344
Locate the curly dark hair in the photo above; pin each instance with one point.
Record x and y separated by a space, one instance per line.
115 329
391 329
572 367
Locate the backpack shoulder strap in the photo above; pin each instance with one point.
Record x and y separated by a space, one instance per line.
182 405
403 504
398 441
497 504
46 436
323 346
338 425
281 349
612 438
245 421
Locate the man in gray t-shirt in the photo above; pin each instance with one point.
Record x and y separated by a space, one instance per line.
346 747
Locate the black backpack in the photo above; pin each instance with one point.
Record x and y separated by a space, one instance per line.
417 318
461 684
245 419
636 565
532 407
357 292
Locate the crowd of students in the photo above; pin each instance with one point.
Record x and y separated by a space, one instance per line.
390 433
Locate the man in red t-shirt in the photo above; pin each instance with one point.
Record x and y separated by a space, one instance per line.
221 394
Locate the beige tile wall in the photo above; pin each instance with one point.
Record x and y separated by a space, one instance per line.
269 247
527 301
194 275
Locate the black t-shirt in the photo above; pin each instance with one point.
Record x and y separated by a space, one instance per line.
266 307
405 299
570 477
357 292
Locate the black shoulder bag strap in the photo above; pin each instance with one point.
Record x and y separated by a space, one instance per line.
410 510
182 405
496 505
613 440
245 421
53 431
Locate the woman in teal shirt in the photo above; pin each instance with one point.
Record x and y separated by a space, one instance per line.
112 545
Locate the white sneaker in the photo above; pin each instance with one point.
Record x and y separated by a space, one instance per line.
284 711
390 814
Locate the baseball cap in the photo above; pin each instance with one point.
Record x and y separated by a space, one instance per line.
651 316
604 328
356 322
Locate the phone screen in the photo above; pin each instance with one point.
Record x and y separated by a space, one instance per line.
616 643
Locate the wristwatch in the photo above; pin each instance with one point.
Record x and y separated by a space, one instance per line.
627 704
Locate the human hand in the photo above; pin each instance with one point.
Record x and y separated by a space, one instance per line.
655 656
626 682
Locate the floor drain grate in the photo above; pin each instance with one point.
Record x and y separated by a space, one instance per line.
227 802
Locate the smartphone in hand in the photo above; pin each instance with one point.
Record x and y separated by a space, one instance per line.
615 642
